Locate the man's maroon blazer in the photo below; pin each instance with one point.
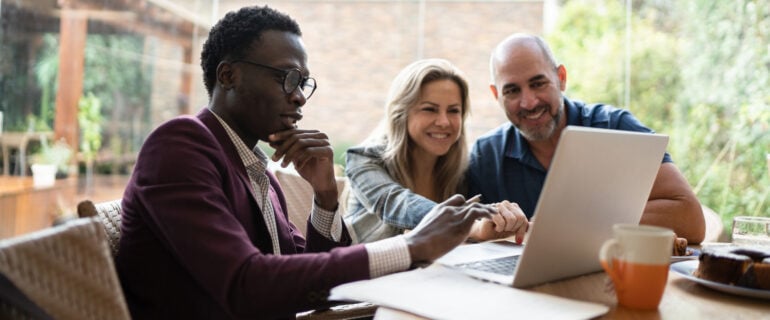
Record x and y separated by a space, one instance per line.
194 244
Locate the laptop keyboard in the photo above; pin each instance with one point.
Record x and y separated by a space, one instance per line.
504 265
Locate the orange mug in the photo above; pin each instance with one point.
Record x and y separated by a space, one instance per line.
637 260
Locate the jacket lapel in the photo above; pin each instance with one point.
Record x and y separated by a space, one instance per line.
237 167
285 236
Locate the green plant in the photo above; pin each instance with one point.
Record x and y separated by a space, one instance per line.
89 119
705 87
116 76
57 154
723 116
46 73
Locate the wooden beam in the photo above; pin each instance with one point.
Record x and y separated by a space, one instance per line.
179 10
159 19
165 32
186 86
72 44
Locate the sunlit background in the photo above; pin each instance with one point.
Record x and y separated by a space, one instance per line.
94 77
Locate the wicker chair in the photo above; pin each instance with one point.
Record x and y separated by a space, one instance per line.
299 196
299 200
109 214
67 271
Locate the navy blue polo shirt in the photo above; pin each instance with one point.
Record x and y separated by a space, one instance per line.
502 167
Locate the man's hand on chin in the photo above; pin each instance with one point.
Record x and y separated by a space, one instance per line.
312 156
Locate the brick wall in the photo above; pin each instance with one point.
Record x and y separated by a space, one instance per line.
356 48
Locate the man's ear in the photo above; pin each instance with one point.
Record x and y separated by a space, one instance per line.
493 88
562 73
225 75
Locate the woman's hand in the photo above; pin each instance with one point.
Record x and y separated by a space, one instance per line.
443 228
509 221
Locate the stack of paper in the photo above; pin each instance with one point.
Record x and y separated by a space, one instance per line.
441 293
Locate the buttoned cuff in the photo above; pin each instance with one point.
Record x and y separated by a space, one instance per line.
388 255
328 223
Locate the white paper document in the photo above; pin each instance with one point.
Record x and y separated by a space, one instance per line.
437 292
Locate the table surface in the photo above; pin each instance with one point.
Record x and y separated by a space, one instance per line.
683 299
14 185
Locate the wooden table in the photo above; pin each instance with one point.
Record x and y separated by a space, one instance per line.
683 299
24 208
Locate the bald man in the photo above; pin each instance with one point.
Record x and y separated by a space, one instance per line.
511 162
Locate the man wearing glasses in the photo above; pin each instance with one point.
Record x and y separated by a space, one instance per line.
205 228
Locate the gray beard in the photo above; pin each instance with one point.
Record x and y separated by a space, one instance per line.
545 132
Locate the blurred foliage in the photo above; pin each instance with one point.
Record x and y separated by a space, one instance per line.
700 71
14 80
590 41
724 108
89 120
46 71
113 78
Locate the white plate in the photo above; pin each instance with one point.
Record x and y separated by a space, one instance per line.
686 268
694 253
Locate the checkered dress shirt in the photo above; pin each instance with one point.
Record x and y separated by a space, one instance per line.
385 256
255 162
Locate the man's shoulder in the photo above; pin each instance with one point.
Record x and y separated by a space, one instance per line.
186 125
180 135
179 122
494 136
596 114
595 108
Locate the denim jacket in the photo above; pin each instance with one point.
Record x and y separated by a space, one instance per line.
378 206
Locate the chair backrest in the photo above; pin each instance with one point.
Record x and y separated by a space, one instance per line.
14 304
715 230
66 270
299 196
109 214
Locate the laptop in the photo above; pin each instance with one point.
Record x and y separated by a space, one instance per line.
598 177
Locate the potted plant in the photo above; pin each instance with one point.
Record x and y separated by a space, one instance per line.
50 161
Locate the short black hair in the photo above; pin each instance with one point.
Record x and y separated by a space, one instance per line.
231 37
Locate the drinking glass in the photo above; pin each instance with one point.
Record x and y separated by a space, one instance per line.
751 231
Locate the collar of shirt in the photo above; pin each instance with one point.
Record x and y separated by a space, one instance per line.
253 157
516 147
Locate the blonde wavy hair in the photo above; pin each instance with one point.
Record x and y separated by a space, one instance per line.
392 132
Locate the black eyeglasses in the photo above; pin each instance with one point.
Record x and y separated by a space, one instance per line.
292 79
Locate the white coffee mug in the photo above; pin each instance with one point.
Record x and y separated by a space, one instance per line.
637 260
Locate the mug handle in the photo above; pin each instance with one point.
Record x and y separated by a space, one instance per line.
606 255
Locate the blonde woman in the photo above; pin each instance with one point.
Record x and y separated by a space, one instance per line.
417 157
